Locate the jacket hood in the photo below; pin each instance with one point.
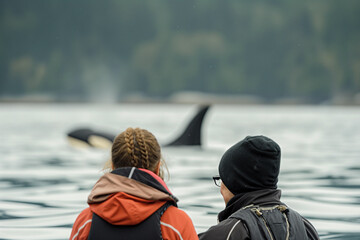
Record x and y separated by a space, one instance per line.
127 196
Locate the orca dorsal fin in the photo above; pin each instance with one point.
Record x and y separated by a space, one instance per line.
191 136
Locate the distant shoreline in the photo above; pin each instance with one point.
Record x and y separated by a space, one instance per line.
183 98
281 103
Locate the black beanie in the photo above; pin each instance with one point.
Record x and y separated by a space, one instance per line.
251 164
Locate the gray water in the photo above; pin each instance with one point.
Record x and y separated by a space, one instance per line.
44 181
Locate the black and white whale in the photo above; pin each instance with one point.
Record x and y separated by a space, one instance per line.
191 136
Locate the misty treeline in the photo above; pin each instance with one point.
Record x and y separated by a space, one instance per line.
271 49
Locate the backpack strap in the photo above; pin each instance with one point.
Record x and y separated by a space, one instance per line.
273 222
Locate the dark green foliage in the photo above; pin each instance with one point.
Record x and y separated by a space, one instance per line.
272 49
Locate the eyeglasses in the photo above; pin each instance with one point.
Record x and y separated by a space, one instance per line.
217 181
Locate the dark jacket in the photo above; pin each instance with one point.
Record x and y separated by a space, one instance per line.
230 228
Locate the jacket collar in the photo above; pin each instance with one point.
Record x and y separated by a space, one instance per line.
128 196
259 197
144 176
137 182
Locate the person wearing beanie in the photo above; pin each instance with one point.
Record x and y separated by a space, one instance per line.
248 176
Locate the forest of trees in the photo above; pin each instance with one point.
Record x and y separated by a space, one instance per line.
80 49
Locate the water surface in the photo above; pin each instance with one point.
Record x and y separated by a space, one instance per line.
44 181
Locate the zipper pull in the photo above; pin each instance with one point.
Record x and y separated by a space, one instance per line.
257 211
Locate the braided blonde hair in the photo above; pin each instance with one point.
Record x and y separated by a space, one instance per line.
137 148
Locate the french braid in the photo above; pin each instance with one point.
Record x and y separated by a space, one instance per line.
130 143
143 148
137 148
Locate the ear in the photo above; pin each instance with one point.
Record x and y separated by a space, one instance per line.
157 169
112 166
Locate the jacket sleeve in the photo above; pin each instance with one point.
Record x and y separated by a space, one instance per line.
82 225
176 224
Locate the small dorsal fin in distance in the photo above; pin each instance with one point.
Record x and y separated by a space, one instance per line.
191 136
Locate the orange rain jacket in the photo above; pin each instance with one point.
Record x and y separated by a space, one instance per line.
127 196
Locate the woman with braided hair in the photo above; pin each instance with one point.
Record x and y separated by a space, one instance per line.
132 201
